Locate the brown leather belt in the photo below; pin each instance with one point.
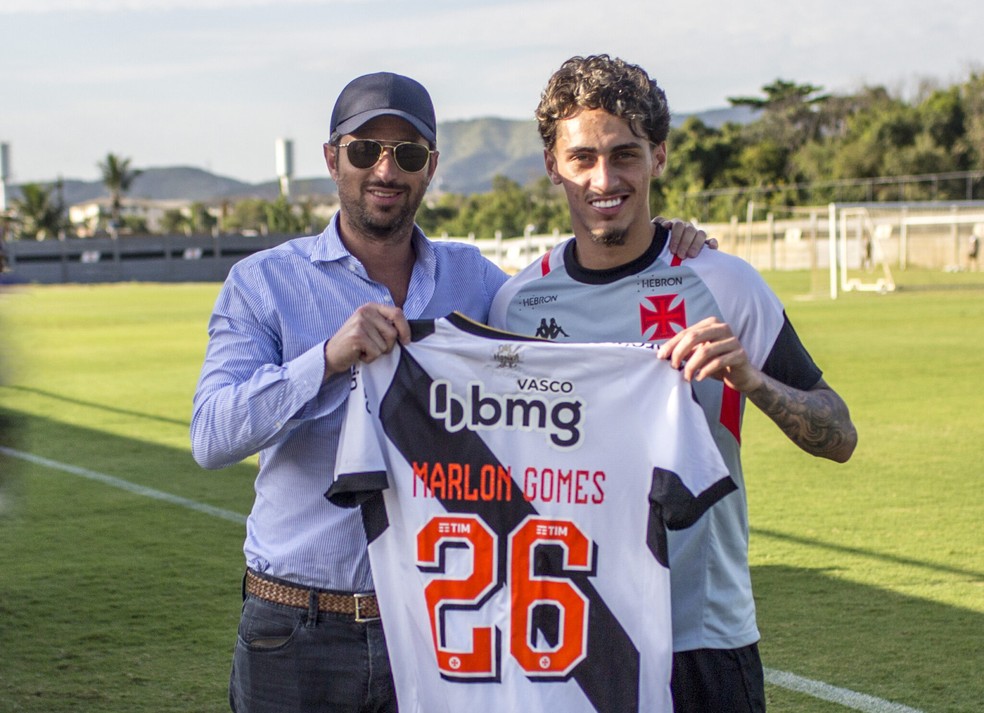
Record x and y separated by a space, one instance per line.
363 607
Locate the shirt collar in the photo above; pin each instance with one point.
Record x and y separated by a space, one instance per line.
330 248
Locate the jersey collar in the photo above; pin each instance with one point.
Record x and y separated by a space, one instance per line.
613 274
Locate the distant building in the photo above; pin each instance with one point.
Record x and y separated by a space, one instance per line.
85 218
89 217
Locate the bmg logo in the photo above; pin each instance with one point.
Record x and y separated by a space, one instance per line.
478 410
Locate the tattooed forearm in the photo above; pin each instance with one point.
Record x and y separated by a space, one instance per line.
817 420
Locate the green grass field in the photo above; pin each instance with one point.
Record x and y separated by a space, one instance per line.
869 575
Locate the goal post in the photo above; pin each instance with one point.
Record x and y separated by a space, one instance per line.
858 243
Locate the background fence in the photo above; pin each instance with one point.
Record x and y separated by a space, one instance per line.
871 235
933 236
150 258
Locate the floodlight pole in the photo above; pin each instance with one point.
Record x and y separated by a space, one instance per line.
832 247
4 174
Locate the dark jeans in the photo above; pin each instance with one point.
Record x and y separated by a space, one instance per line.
291 660
718 681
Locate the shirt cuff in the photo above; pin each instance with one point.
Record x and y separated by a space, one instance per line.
306 373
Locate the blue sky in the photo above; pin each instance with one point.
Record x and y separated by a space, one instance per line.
213 83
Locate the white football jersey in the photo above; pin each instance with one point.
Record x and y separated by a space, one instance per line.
516 495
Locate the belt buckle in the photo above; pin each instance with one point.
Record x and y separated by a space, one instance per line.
358 609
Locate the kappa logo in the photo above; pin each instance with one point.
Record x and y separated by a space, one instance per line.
659 314
550 330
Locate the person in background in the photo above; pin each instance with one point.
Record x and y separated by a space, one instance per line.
288 326
604 124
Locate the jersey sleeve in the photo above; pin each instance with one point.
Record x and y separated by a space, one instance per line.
690 475
360 466
696 476
757 318
789 362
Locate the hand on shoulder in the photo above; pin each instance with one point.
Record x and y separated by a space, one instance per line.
686 239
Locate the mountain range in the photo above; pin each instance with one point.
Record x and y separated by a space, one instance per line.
473 152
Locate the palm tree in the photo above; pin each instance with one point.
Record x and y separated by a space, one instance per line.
117 176
39 212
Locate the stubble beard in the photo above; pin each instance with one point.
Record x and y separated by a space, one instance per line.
611 237
374 224
382 227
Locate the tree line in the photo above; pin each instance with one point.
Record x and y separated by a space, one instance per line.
40 212
804 147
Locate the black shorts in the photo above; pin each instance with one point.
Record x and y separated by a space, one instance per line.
718 681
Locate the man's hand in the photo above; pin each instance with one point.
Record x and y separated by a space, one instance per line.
370 332
709 349
686 239
817 420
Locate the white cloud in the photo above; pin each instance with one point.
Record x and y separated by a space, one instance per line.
216 80
42 7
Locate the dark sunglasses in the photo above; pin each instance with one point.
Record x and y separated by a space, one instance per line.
365 153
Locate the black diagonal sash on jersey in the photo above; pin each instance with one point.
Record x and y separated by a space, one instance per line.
404 414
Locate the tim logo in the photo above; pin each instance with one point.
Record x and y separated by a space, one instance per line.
659 315
506 357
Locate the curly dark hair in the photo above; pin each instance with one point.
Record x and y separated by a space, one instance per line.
602 82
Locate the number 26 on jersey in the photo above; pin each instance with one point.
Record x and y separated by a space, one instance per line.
527 591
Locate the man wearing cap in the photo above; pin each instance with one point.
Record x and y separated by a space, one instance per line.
288 325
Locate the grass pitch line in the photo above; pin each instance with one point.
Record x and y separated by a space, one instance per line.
834 694
817 689
126 485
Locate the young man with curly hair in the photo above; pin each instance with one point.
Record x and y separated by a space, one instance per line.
604 124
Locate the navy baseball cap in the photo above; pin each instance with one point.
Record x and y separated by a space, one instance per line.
383 94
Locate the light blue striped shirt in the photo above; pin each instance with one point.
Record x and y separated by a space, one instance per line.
260 389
